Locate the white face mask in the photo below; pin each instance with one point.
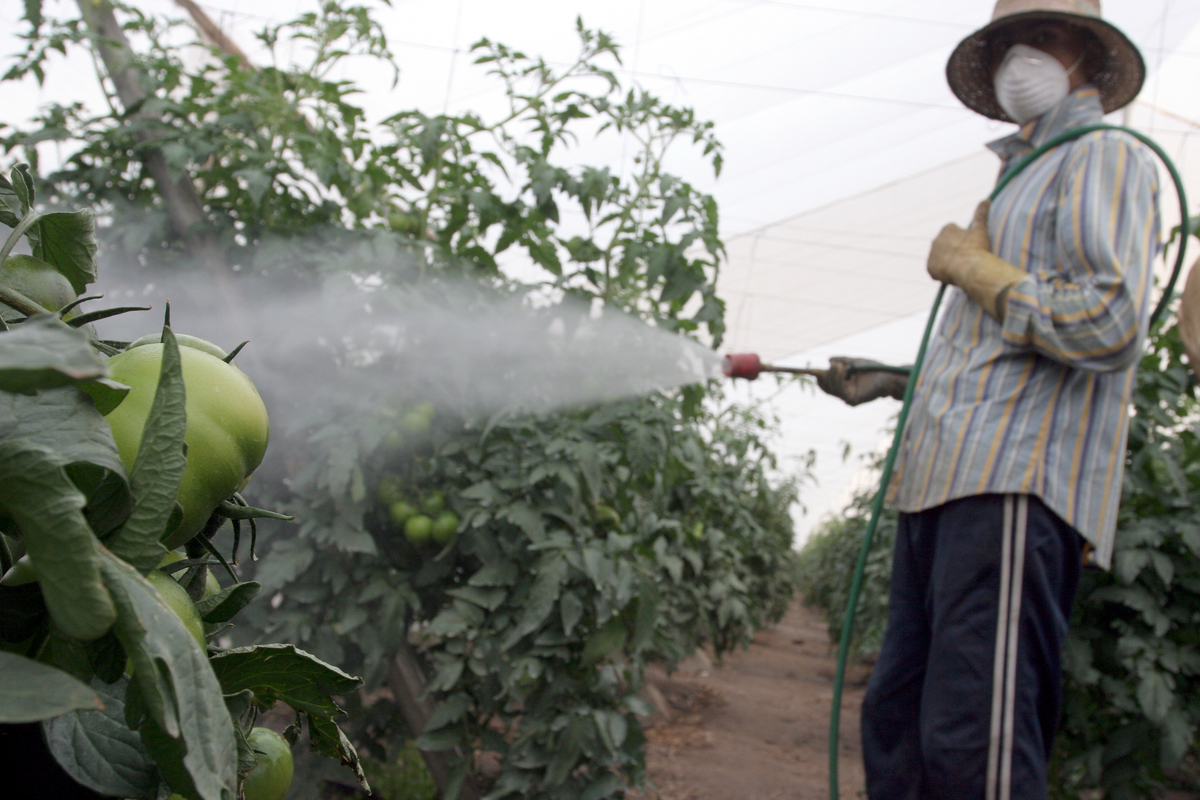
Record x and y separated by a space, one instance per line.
1029 83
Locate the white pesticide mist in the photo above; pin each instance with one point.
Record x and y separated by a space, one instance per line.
350 348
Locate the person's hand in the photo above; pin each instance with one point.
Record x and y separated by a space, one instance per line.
964 258
955 250
852 380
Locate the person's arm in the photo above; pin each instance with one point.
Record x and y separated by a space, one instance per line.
1091 313
853 381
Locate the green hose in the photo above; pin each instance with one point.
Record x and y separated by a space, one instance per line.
889 463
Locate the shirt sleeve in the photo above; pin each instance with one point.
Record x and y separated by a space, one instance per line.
1091 313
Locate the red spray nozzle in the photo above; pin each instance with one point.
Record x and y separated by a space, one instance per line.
742 365
750 366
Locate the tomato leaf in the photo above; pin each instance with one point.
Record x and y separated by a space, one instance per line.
543 596
327 739
605 786
225 604
31 691
44 353
109 502
64 422
603 642
451 710
10 206
67 240
185 725
38 495
106 394
99 750
22 185
45 442
158 468
283 672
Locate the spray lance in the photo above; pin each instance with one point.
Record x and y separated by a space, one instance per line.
750 366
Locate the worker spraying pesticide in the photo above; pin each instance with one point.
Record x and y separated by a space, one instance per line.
1011 460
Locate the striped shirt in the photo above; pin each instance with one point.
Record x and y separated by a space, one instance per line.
1039 404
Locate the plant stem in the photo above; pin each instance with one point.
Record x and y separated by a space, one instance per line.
25 224
14 299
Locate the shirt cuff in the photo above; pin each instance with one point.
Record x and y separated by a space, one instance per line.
1020 303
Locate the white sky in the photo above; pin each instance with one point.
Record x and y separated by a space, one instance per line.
845 151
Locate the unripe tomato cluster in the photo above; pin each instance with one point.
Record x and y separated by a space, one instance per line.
412 424
425 521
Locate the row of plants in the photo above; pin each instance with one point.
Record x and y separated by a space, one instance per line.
529 564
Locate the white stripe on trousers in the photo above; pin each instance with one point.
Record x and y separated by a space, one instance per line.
1008 627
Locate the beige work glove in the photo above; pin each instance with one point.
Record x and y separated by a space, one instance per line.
856 386
965 259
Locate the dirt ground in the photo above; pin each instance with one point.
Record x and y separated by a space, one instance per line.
756 725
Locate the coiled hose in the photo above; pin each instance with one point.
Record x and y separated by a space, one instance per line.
889 463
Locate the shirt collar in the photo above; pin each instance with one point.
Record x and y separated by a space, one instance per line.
1080 107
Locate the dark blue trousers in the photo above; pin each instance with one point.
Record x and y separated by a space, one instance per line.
963 703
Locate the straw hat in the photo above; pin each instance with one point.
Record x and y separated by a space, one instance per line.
1119 77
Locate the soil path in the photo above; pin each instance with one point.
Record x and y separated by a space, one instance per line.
756 725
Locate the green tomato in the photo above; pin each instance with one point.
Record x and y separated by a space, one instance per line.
401 512
434 502
424 409
445 527
404 223
176 598
272 775
607 515
183 340
418 529
227 427
38 280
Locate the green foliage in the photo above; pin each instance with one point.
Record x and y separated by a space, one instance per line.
403 777
1132 660
590 544
77 537
825 572
278 151
591 541
33 691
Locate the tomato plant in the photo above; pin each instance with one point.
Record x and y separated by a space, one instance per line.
97 642
551 556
